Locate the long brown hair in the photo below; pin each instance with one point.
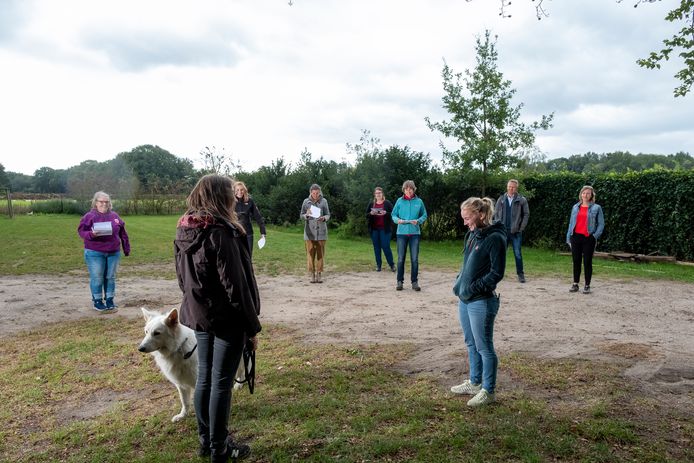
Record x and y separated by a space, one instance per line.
213 197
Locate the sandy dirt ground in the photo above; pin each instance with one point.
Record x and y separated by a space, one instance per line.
650 322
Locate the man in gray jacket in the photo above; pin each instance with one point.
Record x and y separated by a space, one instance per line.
315 214
512 210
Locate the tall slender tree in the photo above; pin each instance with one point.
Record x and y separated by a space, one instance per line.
483 119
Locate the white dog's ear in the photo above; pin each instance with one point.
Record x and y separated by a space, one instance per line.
172 317
148 314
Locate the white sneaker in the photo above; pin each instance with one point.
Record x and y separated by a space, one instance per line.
466 388
482 398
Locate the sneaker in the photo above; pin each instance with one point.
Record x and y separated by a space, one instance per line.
99 304
399 286
415 286
586 289
110 304
235 451
378 269
481 398
392 268
521 278
574 288
466 388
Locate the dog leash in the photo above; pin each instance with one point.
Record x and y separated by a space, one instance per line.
249 366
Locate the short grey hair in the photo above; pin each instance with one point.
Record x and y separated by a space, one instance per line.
315 186
408 184
101 194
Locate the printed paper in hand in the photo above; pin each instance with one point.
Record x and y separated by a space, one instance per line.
315 212
261 242
102 228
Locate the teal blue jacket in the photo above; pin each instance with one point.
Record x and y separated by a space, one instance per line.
409 209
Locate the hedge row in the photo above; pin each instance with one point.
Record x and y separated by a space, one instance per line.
649 212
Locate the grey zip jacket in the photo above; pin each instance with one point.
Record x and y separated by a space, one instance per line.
314 229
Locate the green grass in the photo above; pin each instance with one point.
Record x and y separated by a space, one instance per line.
89 396
49 244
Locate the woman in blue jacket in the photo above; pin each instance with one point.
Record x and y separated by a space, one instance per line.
484 263
585 228
409 213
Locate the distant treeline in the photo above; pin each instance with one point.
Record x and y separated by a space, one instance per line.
647 198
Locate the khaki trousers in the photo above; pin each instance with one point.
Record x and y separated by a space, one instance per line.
315 250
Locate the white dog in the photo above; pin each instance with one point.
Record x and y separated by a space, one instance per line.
173 346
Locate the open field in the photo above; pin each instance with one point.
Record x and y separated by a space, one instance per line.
350 370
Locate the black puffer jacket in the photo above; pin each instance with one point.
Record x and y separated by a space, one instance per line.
216 276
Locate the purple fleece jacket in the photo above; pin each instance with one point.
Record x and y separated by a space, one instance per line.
104 243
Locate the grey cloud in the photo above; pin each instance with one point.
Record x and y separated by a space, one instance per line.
12 18
142 50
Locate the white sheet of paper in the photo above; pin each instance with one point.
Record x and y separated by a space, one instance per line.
102 228
261 242
315 212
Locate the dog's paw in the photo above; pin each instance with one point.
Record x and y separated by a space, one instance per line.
238 385
178 417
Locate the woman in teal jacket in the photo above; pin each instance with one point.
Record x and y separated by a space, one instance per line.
409 213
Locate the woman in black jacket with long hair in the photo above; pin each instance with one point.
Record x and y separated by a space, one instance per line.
380 223
220 303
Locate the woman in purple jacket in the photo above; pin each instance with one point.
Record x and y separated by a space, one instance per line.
103 232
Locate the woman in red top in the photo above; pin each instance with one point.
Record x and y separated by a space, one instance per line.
586 225
379 220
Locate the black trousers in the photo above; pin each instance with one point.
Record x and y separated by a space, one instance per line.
582 248
218 359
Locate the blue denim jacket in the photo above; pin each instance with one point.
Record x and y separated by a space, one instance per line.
596 221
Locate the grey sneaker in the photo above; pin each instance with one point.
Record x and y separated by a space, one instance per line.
482 398
586 289
466 388
521 278
415 286
399 286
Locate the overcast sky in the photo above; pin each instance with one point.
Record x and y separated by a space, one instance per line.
262 79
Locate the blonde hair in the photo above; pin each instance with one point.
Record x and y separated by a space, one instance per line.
484 206
378 188
213 197
592 193
101 194
245 190
408 184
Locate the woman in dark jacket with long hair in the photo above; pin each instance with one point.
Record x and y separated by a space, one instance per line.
247 210
379 221
220 303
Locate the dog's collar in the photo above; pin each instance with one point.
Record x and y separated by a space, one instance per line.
186 355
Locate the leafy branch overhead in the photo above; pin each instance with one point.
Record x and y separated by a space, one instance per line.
483 119
681 43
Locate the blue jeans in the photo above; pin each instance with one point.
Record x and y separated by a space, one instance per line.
381 241
403 241
102 267
218 360
515 240
477 320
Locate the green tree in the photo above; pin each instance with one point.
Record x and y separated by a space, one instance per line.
4 179
682 43
158 171
47 180
483 119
